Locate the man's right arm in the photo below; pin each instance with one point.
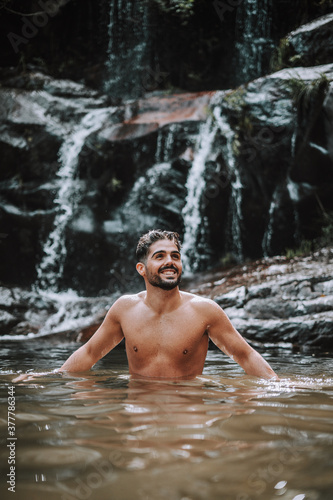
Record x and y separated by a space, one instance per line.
108 335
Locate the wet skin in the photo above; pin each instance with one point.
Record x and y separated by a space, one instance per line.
166 330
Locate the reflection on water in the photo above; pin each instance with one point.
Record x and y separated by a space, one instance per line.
104 435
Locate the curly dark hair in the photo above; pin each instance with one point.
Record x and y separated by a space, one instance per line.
151 237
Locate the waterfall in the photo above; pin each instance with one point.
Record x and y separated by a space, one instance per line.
128 49
50 269
194 223
294 194
236 198
195 185
267 238
165 143
254 38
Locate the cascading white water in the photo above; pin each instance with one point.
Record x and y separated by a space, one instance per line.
165 142
293 190
128 49
236 198
267 238
51 267
254 37
195 186
142 190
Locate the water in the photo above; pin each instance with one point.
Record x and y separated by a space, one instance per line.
235 214
128 63
103 435
195 186
50 269
254 42
267 238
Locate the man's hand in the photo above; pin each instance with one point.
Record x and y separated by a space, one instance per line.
32 376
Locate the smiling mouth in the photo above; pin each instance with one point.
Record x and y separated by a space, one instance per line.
169 272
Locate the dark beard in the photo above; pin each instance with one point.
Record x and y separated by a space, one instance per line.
164 285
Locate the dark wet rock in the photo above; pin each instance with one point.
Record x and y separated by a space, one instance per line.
279 300
7 322
132 170
25 313
22 311
115 171
309 45
270 301
283 156
39 81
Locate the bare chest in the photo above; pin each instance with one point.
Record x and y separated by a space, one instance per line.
170 335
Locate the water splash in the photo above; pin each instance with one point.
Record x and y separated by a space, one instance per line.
51 267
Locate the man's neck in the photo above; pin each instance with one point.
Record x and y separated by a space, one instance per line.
162 301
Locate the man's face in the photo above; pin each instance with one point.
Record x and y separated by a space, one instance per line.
163 268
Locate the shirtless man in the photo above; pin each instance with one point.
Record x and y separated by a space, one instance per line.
166 330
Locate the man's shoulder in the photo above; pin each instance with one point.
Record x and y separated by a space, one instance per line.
124 304
204 307
198 301
128 300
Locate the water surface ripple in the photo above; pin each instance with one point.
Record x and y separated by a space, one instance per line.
224 435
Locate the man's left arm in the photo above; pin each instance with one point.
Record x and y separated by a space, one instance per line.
225 337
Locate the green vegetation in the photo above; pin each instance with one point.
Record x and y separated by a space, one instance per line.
235 99
326 237
228 260
281 55
182 8
324 240
322 3
114 184
303 93
245 120
327 230
305 248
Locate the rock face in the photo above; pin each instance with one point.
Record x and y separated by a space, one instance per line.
279 300
274 300
96 174
247 172
309 45
282 157
73 39
25 314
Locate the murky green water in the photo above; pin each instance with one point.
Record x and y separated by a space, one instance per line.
224 435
